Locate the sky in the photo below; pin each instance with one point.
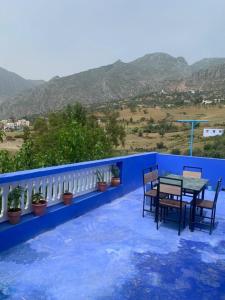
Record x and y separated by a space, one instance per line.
40 39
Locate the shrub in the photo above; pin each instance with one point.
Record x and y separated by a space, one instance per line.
176 151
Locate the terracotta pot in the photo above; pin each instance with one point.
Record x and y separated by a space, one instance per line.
102 186
67 198
14 216
115 181
39 209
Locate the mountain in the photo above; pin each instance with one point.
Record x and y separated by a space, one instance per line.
208 78
207 63
11 84
152 72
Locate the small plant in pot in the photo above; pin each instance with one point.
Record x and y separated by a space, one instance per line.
14 203
101 184
115 181
67 197
38 204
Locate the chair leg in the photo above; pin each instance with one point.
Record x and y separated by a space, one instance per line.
211 223
157 219
214 217
180 218
143 210
150 204
184 216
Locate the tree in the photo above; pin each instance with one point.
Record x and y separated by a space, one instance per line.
2 135
114 130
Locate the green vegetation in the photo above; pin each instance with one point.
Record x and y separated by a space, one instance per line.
37 197
67 136
213 148
100 176
14 198
115 171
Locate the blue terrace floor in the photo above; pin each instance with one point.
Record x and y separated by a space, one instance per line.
114 253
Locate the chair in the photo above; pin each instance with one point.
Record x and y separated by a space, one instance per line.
173 189
210 205
150 179
191 172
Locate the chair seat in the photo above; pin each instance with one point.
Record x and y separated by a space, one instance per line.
171 203
204 204
153 193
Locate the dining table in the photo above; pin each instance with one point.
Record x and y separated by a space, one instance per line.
195 187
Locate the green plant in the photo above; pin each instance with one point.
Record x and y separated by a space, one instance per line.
115 171
175 151
160 145
14 198
37 197
100 176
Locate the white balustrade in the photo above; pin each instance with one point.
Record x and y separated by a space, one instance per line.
78 182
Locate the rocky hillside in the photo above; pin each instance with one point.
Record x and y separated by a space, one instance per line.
11 84
152 72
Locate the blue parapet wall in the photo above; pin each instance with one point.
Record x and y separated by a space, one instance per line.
212 168
131 178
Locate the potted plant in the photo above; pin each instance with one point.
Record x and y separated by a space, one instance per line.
38 204
101 184
14 203
115 181
67 197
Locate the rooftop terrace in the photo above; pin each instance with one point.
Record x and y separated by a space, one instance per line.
105 249
114 253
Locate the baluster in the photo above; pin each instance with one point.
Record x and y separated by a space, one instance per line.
5 192
60 187
74 191
54 190
49 190
29 195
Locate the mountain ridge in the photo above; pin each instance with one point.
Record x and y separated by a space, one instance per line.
151 72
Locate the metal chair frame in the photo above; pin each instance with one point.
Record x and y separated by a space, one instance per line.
153 184
162 209
212 217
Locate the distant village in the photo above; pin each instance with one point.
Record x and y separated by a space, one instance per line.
12 125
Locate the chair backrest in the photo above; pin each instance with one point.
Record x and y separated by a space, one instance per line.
193 172
170 186
218 186
150 176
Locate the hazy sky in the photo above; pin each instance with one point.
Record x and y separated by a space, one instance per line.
43 38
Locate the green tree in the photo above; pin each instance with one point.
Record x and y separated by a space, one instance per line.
114 130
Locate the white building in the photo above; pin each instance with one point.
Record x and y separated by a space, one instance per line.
23 123
9 126
207 102
208 132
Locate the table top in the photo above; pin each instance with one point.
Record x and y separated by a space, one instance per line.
193 184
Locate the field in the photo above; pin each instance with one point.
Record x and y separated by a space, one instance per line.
140 141
12 142
135 121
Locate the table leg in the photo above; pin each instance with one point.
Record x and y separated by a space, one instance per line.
193 209
203 193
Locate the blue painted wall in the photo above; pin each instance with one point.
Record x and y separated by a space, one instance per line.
131 178
212 168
